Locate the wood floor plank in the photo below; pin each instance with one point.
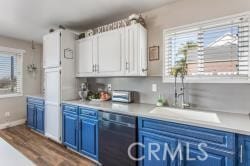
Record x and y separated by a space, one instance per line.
40 150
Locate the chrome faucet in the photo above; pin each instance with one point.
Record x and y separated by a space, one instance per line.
183 105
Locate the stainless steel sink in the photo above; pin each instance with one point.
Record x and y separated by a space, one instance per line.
186 114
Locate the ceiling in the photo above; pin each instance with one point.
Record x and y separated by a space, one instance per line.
31 19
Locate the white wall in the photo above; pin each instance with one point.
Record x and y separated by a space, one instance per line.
17 105
184 12
215 97
178 13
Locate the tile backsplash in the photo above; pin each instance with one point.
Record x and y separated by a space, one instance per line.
214 97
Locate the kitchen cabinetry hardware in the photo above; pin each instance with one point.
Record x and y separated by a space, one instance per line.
241 154
126 65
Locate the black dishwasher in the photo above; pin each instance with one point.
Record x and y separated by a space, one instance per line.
116 133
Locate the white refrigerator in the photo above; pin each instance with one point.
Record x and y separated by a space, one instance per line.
59 78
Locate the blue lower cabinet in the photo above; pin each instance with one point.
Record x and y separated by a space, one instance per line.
205 157
155 148
40 119
70 130
31 114
243 150
80 130
88 138
186 145
35 114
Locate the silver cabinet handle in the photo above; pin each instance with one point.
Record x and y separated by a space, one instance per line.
97 68
143 70
93 68
241 153
126 65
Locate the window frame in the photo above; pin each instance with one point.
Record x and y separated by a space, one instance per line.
196 26
20 53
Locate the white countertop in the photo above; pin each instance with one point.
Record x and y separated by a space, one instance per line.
231 122
123 108
11 157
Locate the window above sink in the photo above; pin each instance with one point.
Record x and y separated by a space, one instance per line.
215 51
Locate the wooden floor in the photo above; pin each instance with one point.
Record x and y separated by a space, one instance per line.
40 150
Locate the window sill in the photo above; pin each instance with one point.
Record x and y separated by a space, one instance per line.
11 95
236 80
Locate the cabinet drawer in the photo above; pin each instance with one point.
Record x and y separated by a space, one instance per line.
88 112
35 101
70 108
213 138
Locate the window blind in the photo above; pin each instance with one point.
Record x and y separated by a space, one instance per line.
177 41
10 73
218 48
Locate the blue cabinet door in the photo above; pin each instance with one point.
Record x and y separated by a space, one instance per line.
40 119
31 114
220 150
88 137
154 150
243 150
70 130
196 157
35 114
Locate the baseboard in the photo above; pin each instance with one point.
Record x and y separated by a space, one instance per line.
85 156
53 138
11 124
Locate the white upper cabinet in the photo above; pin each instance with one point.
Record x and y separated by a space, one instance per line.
121 52
51 50
85 57
131 50
135 50
110 51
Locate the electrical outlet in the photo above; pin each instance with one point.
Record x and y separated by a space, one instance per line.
109 87
7 114
154 87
